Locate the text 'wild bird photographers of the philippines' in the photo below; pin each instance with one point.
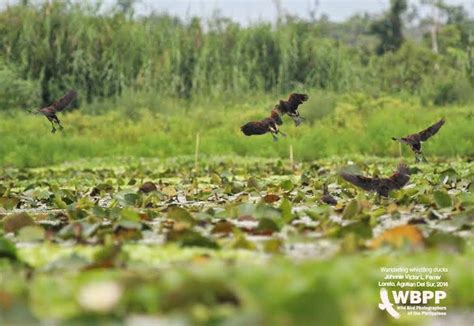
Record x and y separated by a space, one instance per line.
413 291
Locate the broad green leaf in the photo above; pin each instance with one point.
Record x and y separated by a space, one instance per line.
59 202
286 208
31 233
252 182
181 215
267 225
9 203
216 179
351 210
273 245
442 199
446 242
189 238
241 242
287 185
361 229
129 214
7 248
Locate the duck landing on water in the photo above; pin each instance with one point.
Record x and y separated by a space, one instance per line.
382 186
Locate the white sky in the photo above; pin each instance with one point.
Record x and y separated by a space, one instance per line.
245 11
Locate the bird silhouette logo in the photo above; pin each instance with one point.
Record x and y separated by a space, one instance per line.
387 305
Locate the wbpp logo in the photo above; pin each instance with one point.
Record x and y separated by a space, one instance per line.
408 298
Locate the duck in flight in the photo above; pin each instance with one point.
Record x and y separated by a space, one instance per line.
415 140
50 111
267 125
290 106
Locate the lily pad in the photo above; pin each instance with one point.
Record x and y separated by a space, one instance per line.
14 222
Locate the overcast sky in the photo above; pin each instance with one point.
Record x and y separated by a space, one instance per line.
245 11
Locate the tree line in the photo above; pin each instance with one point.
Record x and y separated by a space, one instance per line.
53 46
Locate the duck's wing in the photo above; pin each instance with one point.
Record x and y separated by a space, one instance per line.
430 131
360 181
253 128
64 101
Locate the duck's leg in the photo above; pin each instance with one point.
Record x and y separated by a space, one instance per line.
377 199
420 158
416 148
273 131
53 130
56 119
296 118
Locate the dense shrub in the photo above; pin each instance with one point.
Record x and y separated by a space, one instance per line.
65 45
453 91
16 92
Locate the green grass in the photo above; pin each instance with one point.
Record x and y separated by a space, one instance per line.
140 127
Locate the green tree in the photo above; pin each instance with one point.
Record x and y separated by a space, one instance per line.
389 27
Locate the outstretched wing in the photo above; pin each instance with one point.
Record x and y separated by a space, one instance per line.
401 177
294 100
403 169
360 181
298 97
430 131
64 101
253 128
275 115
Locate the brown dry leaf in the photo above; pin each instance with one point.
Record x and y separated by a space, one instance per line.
201 259
365 204
339 207
223 227
247 218
271 198
14 222
144 217
398 236
180 226
392 208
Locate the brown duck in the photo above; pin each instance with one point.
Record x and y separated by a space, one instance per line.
148 187
50 111
327 198
267 125
415 140
290 106
382 186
